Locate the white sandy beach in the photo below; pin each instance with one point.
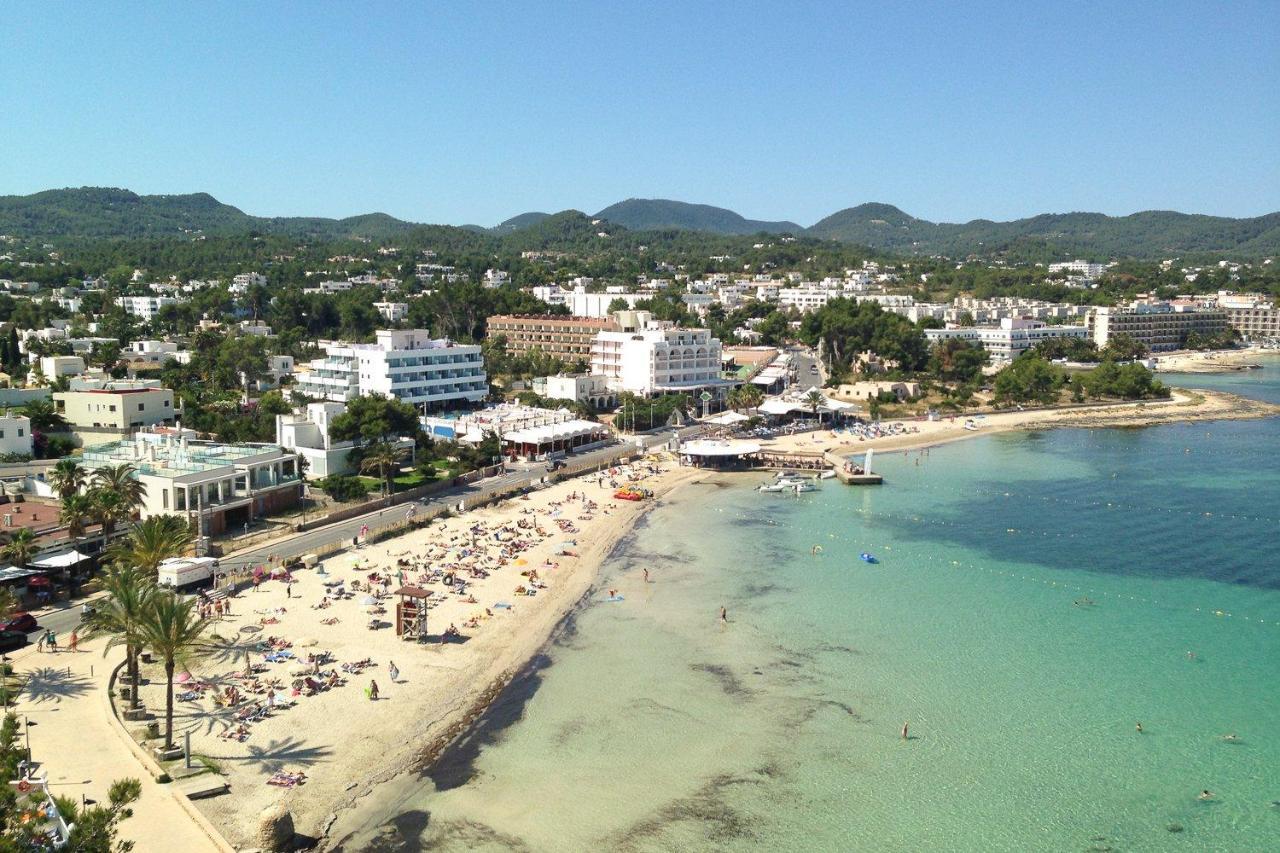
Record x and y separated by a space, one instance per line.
341 740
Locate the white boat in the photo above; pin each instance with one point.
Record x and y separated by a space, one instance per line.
802 486
773 487
971 425
826 475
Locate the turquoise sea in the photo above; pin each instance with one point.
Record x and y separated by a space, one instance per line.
649 725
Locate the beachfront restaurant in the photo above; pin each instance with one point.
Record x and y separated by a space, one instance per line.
720 454
789 407
552 439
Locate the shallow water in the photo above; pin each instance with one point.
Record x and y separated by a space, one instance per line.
650 725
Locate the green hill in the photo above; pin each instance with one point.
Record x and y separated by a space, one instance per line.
655 214
92 213
1149 234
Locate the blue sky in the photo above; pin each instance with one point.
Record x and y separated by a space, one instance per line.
459 112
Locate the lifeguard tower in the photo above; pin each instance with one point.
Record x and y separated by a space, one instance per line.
411 613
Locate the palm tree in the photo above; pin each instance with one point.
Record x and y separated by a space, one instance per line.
171 628
21 547
814 399
122 479
44 416
76 513
151 541
750 396
109 509
383 458
119 615
734 399
67 478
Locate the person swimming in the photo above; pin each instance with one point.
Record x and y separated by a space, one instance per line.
1139 728
1231 738
1206 794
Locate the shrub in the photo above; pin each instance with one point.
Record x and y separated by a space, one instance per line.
343 488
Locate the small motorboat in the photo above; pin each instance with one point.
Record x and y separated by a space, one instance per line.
773 487
868 558
801 486
826 475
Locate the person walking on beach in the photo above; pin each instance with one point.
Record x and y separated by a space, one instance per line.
53 642
394 672
40 643
74 641
288 588
646 575
373 690
724 614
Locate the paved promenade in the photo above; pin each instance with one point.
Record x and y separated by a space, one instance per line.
73 739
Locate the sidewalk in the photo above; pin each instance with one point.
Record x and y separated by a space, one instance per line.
73 739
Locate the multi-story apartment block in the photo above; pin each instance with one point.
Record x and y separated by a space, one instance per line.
404 363
1156 325
805 299
105 410
658 359
558 335
145 307
1253 315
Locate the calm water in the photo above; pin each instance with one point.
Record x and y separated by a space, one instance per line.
650 726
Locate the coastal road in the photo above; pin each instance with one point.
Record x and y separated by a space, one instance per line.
515 476
806 378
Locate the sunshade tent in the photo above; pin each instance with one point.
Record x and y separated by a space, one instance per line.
60 561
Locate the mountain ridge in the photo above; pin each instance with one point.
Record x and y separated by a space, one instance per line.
94 213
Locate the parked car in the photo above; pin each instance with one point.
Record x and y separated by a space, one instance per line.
23 622
11 640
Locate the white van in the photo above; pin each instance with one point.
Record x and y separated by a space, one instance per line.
179 572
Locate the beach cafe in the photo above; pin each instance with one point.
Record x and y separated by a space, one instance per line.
790 406
709 453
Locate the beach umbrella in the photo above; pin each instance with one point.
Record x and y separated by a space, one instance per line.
522 562
368 600
183 677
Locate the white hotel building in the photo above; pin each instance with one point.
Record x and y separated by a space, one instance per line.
404 363
658 359
1010 339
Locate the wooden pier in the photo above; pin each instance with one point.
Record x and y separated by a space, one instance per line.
850 478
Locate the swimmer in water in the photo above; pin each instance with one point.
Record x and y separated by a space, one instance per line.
904 731
724 615
1206 794
1191 655
1139 728
1231 738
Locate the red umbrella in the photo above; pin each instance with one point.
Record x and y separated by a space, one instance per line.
39 580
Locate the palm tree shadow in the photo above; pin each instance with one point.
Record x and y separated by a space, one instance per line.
227 650
47 684
279 754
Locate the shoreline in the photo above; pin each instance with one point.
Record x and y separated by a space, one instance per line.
1212 361
1186 406
334 834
